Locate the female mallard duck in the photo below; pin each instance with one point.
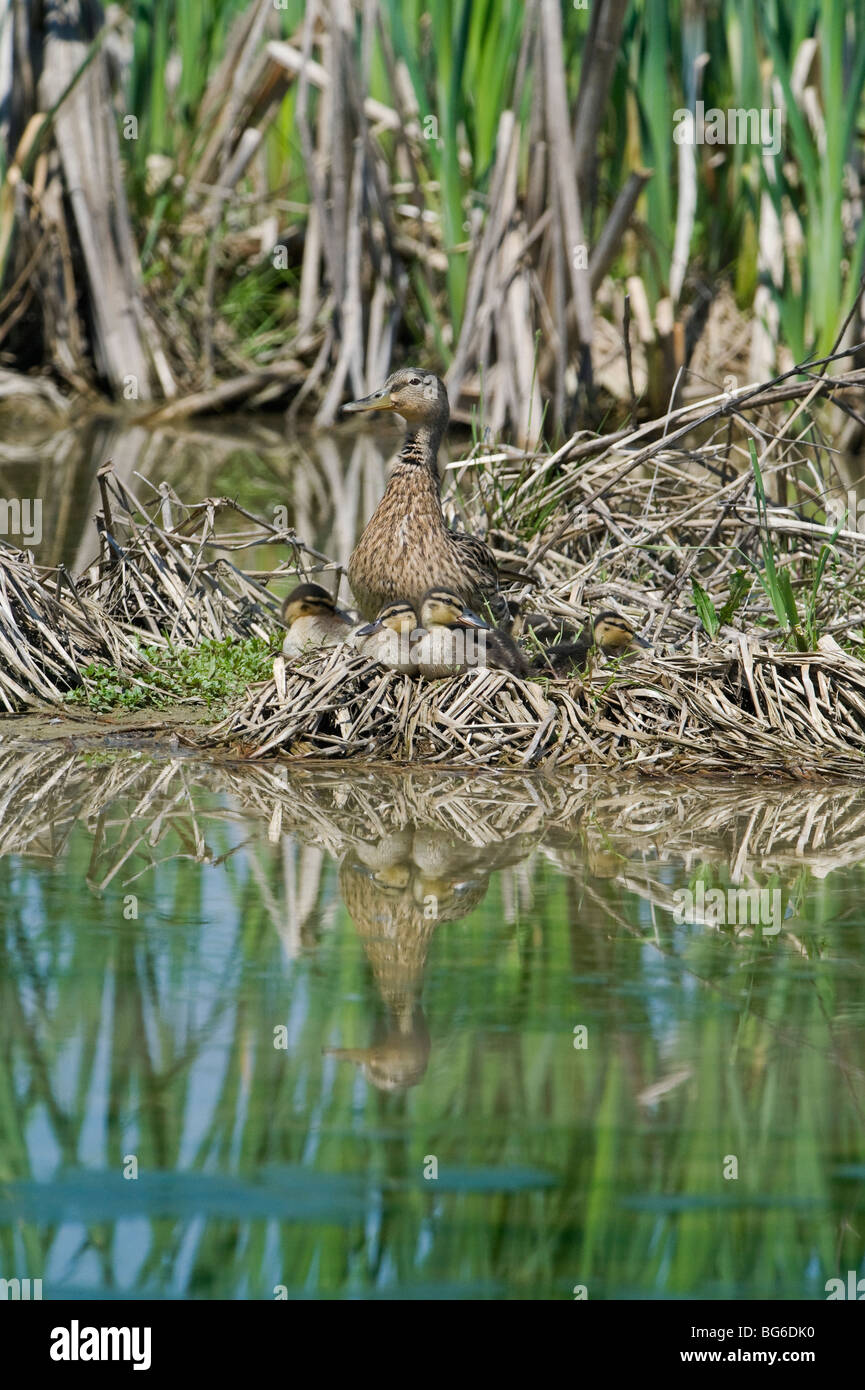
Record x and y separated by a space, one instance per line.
388 639
313 620
610 633
449 645
406 546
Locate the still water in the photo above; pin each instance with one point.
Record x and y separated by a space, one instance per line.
328 482
271 1033
318 1033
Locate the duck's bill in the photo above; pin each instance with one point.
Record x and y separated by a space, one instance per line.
379 400
369 628
641 642
469 619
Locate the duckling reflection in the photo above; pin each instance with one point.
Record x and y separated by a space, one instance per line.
397 890
385 853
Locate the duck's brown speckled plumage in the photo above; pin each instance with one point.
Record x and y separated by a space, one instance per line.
406 547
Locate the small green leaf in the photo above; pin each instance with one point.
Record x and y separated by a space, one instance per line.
705 608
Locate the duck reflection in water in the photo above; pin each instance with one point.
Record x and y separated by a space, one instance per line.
397 889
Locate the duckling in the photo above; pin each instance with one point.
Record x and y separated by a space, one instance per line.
447 647
610 633
504 655
313 621
445 650
384 852
388 639
406 546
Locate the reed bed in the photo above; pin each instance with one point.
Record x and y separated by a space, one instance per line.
169 571
164 578
50 630
307 193
739 710
682 536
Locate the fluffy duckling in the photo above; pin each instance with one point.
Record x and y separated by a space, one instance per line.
448 646
448 649
504 654
610 633
388 639
313 620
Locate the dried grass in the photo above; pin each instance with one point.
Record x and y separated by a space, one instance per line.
733 710
50 628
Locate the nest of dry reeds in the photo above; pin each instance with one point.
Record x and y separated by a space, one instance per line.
168 572
623 522
50 630
740 709
164 576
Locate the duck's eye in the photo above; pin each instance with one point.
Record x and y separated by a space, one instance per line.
414 381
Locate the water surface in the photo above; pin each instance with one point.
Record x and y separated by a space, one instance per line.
307 1034
328 1033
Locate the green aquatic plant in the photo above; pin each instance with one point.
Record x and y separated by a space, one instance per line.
705 608
713 619
214 673
775 580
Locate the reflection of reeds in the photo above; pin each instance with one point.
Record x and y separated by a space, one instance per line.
607 1159
473 823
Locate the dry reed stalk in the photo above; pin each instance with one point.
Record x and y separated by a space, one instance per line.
49 631
733 710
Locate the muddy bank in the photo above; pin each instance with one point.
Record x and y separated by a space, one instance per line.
153 730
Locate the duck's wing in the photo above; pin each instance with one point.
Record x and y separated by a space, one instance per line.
479 559
479 566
